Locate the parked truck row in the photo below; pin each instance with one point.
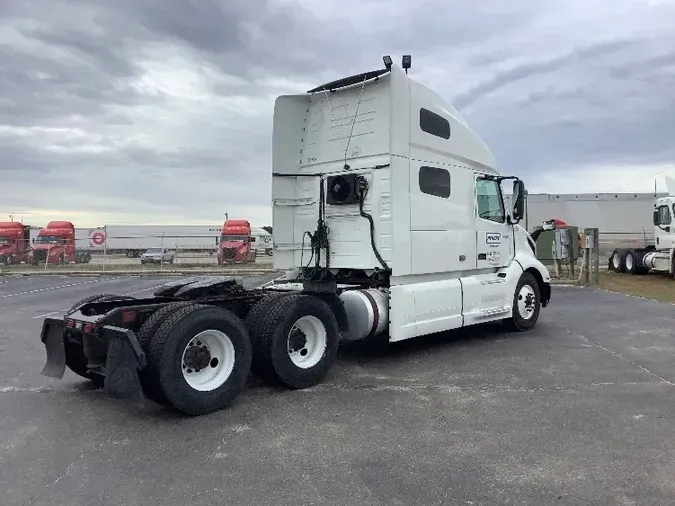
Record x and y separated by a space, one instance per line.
374 239
61 242
54 244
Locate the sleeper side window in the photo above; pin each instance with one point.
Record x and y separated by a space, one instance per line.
434 124
435 181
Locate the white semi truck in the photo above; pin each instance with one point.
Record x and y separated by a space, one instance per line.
389 221
657 257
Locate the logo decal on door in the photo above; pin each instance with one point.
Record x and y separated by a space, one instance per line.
493 257
493 238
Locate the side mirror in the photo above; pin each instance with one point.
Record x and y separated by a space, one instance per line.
656 220
33 240
518 212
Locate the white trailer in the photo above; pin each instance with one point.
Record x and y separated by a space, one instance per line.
135 239
659 256
389 220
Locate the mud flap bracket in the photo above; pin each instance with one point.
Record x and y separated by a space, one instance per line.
125 358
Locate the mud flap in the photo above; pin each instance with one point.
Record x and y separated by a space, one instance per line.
124 359
52 337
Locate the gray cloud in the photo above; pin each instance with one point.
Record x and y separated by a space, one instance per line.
162 108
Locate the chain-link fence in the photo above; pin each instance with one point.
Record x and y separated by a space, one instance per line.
109 253
94 250
570 267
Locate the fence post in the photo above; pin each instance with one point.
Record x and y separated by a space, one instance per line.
588 241
105 245
596 256
572 244
161 258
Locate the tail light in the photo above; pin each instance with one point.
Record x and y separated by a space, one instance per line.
70 323
128 316
88 328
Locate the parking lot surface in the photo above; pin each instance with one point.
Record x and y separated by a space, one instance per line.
578 411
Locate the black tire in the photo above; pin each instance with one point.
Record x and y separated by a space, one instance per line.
517 322
169 343
617 261
149 376
270 333
634 262
255 315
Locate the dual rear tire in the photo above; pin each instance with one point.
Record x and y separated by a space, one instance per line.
199 357
629 261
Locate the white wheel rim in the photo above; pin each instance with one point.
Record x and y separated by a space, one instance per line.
526 302
208 360
615 260
307 342
629 262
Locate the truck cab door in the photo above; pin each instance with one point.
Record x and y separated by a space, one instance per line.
485 293
494 244
664 230
68 250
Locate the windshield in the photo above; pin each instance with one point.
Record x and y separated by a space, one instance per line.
48 239
233 238
5 240
153 250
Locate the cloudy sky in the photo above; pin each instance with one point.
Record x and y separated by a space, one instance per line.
159 111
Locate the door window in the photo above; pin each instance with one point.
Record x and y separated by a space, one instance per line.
664 216
489 203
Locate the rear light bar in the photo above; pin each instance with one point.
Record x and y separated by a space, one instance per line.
87 328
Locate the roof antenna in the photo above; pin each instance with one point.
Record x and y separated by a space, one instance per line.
405 63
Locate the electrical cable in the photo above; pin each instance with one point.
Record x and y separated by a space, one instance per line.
363 187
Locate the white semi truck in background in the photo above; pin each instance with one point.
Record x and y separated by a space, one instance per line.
657 257
389 221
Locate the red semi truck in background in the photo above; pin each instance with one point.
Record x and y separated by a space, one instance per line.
55 244
14 242
235 243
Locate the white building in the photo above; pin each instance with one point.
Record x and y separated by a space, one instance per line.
618 213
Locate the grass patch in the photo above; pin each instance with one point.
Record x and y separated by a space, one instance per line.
652 286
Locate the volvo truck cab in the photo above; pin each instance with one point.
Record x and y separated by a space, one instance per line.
389 222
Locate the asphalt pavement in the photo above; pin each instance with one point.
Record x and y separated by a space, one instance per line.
578 411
